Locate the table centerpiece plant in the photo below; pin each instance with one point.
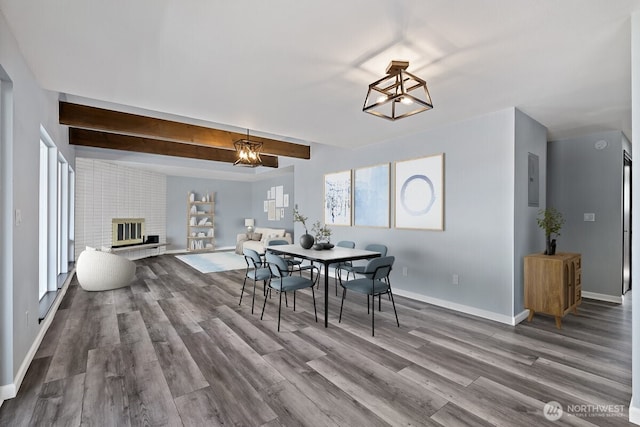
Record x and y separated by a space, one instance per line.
306 240
322 235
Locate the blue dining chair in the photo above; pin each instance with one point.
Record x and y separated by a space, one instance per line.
256 271
337 265
375 282
294 264
282 282
359 269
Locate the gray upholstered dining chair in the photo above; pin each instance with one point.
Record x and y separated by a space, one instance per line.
256 271
337 265
282 282
294 264
375 283
359 269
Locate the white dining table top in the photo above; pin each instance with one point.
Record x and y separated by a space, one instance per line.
335 254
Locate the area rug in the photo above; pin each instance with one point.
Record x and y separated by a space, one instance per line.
214 262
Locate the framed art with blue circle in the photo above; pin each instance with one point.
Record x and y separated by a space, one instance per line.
419 191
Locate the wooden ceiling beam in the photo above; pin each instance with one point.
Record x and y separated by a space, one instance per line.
114 141
82 116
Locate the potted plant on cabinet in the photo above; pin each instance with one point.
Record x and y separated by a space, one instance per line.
551 221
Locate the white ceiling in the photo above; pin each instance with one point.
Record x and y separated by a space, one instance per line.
300 70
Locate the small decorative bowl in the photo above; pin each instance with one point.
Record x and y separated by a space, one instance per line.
328 245
318 246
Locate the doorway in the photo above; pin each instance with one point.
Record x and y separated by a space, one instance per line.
626 223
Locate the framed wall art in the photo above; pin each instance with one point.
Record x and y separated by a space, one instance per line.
371 196
337 198
419 193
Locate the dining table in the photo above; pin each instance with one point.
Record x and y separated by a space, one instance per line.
325 257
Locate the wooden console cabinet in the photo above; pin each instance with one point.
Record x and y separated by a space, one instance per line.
552 284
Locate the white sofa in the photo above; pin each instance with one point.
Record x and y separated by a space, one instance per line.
103 271
260 238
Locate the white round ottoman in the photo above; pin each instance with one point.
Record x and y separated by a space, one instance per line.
102 271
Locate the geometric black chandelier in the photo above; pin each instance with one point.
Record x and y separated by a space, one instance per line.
397 95
248 152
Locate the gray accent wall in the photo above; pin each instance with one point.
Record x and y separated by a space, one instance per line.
31 107
478 241
582 179
233 203
259 191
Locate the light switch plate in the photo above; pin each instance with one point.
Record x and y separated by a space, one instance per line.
590 217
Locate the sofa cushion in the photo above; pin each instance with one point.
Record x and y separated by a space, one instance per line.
269 233
254 236
258 245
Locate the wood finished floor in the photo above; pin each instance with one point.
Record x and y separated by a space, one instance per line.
176 349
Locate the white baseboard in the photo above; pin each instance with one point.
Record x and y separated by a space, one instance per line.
603 297
186 252
9 391
175 251
634 413
521 316
502 318
457 307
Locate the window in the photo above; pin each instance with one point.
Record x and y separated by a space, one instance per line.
62 216
55 218
71 215
43 218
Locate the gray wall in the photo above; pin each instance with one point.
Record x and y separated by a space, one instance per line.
530 137
477 243
233 203
259 192
32 107
582 180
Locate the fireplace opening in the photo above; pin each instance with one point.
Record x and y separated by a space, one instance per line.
127 231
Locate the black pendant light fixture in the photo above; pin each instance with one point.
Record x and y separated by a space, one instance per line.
248 152
397 95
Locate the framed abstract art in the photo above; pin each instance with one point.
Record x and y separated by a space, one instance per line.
419 193
371 196
337 198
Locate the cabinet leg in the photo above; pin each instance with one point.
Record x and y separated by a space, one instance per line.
558 322
530 315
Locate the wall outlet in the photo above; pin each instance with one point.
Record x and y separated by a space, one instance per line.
405 271
590 217
26 317
455 279
18 217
